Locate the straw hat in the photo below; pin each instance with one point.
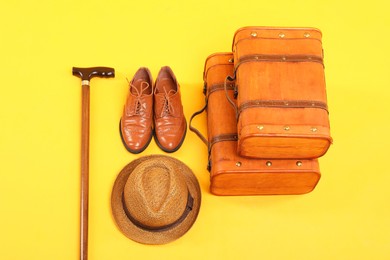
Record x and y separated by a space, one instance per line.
155 199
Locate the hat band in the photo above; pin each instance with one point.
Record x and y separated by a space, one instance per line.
187 210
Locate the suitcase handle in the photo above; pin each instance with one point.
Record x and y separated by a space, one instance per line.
216 87
222 137
231 78
197 132
193 129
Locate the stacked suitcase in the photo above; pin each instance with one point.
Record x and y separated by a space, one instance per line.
267 115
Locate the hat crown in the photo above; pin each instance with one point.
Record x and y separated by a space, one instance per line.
155 194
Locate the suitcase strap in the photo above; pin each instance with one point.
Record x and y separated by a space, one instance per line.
218 87
233 137
222 138
283 104
278 58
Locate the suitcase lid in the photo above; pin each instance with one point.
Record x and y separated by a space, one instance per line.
215 59
276 33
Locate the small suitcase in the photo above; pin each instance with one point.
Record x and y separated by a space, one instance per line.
281 103
232 174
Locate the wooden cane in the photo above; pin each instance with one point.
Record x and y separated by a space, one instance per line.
86 74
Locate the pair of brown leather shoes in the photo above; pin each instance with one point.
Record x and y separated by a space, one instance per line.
155 109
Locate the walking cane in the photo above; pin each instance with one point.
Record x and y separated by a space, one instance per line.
86 74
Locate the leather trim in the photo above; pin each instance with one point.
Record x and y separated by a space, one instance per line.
283 104
218 87
222 138
278 58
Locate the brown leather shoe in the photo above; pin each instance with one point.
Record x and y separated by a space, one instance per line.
137 119
169 122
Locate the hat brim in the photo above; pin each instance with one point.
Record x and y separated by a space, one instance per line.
129 229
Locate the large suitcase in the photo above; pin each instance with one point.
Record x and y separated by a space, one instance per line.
281 103
232 174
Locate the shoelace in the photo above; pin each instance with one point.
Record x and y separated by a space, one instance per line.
168 108
139 106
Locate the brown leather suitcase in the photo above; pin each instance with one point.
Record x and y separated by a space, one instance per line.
232 174
281 103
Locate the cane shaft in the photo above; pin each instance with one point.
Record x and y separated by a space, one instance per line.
84 173
86 74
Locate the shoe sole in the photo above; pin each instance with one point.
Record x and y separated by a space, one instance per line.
174 149
129 149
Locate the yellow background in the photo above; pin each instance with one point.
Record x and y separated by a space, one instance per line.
347 216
